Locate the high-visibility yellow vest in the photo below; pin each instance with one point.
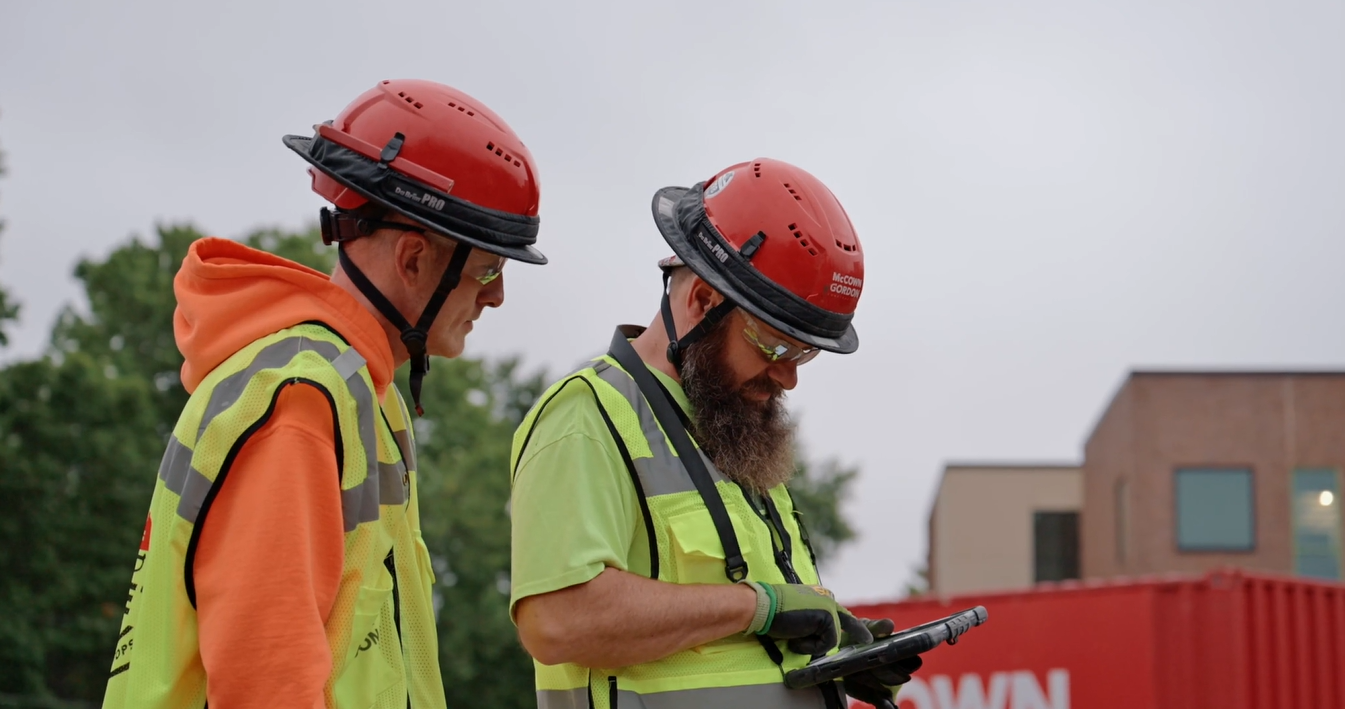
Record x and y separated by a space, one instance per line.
157 663
734 672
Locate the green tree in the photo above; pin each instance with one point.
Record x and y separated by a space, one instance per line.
77 444
818 490
9 310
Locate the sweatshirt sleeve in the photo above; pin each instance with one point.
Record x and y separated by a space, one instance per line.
268 562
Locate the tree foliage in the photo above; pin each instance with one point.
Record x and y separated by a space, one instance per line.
83 427
818 490
9 310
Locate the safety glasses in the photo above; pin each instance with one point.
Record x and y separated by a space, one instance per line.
488 272
773 347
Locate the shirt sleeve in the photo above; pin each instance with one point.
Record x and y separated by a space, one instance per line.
268 562
573 507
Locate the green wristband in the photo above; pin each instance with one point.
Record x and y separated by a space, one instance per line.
770 615
765 608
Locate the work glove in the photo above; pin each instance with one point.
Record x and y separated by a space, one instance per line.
878 686
807 617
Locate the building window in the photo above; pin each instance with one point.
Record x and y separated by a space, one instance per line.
1055 542
1316 501
1122 521
1214 510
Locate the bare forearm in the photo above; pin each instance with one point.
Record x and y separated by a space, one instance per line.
620 619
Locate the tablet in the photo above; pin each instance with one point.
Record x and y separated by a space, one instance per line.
897 646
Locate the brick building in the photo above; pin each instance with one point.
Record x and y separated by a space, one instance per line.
1184 472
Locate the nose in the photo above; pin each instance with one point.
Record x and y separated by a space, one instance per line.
785 373
491 295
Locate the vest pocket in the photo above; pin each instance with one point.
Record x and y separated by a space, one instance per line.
368 671
697 554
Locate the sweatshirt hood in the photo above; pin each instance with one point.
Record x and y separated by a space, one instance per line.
229 295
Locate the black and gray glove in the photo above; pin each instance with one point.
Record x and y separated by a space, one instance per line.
808 617
878 686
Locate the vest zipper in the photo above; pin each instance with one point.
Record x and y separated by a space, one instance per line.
611 692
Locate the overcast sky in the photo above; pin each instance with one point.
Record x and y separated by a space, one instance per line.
1049 192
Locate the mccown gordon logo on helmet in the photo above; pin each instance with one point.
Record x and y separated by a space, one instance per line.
846 285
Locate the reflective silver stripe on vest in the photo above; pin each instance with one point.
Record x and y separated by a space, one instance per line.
392 483
563 698
176 462
348 363
663 474
274 355
408 450
754 696
179 476
359 504
385 482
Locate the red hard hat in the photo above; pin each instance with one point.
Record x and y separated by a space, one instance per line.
774 240
435 155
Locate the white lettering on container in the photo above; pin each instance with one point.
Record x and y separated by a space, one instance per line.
1006 690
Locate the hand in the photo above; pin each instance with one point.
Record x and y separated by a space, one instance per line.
877 686
808 617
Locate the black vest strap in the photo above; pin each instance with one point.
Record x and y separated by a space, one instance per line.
735 566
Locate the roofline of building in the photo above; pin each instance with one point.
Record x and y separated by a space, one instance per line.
1133 373
1237 373
1014 465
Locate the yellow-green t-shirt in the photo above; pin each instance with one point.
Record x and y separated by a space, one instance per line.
574 509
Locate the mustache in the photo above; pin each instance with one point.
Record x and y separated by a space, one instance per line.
762 384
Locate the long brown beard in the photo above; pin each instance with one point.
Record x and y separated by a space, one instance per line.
751 442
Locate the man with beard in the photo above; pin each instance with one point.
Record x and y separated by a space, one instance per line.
658 560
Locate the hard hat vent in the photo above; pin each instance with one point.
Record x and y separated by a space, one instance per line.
501 152
461 108
803 241
410 100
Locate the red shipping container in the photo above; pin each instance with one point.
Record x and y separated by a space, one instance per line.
1229 640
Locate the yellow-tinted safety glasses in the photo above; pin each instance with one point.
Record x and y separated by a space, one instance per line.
488 272
775 348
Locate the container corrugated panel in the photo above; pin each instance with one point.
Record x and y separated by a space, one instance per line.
1228 640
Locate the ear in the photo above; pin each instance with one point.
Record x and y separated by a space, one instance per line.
413 257
700 298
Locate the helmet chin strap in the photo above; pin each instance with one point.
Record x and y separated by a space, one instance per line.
678 347
415 337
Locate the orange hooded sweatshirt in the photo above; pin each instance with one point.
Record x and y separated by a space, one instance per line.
270 553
